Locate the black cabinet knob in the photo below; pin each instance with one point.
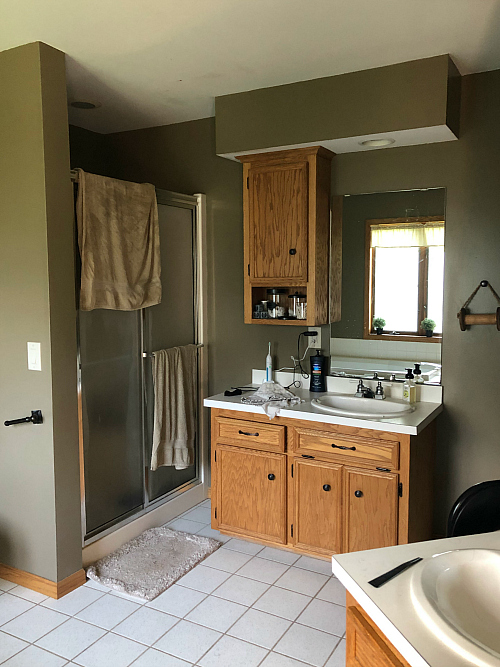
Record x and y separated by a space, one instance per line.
326 487
358 494
271 476
292 251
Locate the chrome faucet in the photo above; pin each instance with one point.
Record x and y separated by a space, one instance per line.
364 392
379 392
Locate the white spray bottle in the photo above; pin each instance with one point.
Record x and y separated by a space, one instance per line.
269 365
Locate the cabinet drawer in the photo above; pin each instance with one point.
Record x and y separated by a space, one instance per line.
347 448
269 437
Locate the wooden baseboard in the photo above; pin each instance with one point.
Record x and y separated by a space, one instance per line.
53 589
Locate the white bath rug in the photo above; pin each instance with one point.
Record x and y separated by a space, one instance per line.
147 565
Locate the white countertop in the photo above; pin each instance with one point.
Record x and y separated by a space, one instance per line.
391 607
412 423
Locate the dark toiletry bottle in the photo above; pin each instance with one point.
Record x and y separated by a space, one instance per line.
318 372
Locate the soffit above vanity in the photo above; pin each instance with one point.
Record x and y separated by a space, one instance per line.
415 102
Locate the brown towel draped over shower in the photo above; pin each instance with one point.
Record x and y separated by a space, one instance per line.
119 242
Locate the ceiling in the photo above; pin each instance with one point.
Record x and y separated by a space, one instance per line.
156 62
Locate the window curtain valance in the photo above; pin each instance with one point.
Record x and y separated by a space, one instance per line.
407 235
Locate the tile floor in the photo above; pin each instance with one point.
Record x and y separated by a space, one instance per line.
245 605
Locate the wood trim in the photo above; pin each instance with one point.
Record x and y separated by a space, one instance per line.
404 337
335 292
282 156
53 589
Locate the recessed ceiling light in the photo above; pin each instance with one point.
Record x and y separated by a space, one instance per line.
81 104
377 143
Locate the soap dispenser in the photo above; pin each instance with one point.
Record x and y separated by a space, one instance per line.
409 389
418 374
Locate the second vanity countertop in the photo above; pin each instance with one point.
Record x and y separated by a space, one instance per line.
391 607
411 424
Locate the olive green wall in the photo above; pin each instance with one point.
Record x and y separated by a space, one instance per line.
468 445
182 158
356 209
408 95
39 480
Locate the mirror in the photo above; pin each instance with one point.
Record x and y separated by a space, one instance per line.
392 285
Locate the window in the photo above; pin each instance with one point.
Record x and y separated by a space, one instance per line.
405 269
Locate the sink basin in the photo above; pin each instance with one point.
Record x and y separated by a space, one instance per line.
457 594
347 405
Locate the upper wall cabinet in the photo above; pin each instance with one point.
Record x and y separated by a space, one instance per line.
291 246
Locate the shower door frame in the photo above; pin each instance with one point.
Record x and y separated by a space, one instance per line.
197 204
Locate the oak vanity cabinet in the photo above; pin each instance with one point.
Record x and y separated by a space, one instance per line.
287 237
319 488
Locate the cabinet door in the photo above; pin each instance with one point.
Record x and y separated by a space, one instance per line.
318 506
371 509
251 492
278 211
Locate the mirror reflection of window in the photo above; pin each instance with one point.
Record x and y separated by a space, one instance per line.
405 277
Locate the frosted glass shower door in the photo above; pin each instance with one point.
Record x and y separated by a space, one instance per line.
111 400
171 323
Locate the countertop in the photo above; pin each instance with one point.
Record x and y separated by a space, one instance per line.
390 606
412 423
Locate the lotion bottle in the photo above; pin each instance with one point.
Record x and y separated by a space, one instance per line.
409 389
269 365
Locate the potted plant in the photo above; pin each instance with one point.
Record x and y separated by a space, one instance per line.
378 325
428 326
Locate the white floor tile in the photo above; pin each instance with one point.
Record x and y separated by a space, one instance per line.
338 657
35 657
6 585
154 658
278 660
241 590
146 625
186 526
216 613
281 602
71 638
188 641
201 514
10 607
110 651
204 579
315 565
259 628
227 560
34 623
108 611
302 581
27 594
245 547
126 596
333 591
279 555
210 532
75 601
231 652
306 644
9 646
90 583
177 600
324 616
268 571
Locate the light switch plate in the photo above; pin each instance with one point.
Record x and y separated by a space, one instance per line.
34 357
316 340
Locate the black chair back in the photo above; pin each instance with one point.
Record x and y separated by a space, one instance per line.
476 511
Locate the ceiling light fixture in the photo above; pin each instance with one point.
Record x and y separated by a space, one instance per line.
377 143
81 104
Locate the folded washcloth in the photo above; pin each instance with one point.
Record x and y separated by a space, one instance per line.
271 396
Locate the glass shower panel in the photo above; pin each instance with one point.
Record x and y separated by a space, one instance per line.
171 323
110 357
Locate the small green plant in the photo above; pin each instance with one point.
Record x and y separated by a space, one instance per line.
378 323
428 324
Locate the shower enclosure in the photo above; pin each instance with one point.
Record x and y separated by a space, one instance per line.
116 385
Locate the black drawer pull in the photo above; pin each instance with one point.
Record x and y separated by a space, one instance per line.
270 477
243 433
358 494
383 469
307 456
292 251
326 487
344 447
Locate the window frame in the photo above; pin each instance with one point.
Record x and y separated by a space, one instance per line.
368 331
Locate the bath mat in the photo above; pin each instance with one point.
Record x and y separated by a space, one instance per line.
147 565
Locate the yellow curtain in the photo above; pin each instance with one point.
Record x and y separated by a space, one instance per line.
407 235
